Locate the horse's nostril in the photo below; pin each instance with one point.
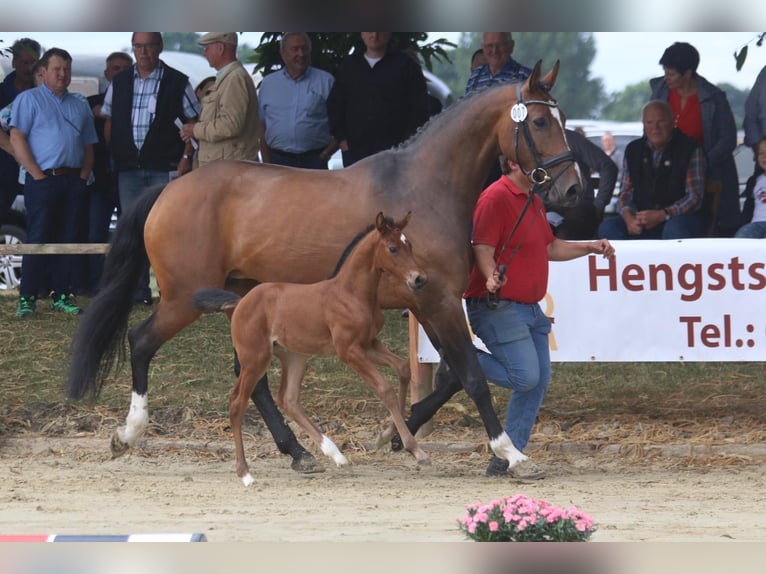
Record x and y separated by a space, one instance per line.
419 282
573 191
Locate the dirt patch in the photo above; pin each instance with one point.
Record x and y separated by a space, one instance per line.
70 485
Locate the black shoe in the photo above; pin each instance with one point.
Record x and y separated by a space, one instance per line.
497 467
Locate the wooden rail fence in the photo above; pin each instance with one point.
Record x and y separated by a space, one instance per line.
53 248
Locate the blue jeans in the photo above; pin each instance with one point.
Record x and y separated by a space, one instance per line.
102 197
753 230
516 335
683 226
131 184
55 207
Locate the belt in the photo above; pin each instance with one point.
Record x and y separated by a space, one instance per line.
63 171
476 301
298 155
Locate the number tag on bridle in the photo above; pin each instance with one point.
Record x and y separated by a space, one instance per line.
519 112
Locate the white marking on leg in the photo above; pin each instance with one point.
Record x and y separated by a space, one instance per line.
329 449
248 479
136 421
503 447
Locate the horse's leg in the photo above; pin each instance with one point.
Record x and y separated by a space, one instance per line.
450 329
382 356
238 401
357 359
145 339
289 398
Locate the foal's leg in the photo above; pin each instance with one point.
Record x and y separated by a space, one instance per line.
356 357
289 398
382 356
238 401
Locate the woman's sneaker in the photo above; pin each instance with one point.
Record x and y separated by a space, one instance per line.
27 306
63 304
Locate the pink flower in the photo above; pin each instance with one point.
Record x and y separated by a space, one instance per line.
493 526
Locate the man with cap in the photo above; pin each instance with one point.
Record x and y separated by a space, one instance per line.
228 126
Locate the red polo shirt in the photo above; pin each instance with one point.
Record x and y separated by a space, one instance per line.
497 210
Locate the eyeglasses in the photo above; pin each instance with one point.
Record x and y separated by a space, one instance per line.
147 47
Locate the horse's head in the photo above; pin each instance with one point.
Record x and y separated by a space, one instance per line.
537 141
394 253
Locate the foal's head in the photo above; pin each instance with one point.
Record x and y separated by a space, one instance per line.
394 252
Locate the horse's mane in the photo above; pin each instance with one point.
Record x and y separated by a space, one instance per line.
354 242
447 114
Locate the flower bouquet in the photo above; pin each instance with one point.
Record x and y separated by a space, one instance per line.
522 519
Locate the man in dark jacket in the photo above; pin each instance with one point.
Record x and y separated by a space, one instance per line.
141 107
662 183
378 100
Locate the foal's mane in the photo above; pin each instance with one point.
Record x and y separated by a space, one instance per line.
354 242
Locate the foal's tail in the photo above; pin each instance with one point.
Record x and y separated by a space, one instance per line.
98 343
209 300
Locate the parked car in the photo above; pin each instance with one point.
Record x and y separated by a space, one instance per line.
87 79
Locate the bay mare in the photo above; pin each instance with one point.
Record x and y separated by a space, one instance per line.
234 224
339 317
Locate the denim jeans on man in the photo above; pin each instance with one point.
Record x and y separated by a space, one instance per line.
516 335
54 208
683 226
753 230
131 184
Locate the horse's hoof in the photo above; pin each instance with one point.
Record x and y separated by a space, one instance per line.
248 479
307 464
424 462
396 443
118 447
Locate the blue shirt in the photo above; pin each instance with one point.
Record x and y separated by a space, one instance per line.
57 128
481 77
295 111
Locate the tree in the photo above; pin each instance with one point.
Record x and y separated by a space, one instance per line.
328 49
625 106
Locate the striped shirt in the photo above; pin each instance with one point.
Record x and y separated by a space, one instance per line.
145 102
481 77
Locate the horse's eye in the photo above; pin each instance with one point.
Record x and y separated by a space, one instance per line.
392 249
540 122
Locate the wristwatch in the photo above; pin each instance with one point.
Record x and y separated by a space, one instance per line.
667 213
188 156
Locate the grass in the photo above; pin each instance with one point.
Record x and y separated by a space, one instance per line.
191 376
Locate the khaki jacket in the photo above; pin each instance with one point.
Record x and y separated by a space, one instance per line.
228 125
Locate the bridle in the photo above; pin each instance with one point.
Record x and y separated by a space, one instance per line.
539 176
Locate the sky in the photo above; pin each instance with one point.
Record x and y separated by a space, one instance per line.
622 58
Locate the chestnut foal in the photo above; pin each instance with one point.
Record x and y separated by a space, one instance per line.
338 316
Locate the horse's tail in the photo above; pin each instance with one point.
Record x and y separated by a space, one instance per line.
209 300
99 342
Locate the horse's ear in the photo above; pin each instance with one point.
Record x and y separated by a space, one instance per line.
550 78
380 222
534 77
403 223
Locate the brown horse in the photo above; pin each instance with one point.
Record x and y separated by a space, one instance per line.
235 224
339 317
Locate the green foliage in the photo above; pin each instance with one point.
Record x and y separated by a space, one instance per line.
741 56
625 106
181 41
328 49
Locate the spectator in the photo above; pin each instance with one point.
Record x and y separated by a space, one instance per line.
478 59
26 52
662 182
754 123
141 106
378 100
754 211
609 145
702 112
293 101
505 313
204 88
52 133
500 66
228 124
102 195
582 220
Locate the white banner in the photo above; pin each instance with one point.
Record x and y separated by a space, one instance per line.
661 300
